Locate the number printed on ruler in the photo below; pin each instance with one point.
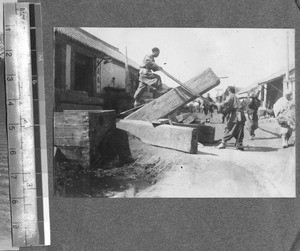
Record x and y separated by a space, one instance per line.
29 226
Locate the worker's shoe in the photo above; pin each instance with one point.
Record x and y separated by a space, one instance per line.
138 102
222 145
240 147
285 143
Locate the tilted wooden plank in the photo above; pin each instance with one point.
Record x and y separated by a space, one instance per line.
183 116
190 119
176 98
174 137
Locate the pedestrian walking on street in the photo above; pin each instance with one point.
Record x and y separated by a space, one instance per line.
284 111
208 106
236 121
147 77
252 105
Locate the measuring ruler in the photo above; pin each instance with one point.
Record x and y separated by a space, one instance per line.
26 124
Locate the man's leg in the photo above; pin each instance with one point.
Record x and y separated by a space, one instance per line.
157 85
255 123
228 134
252 129
284 136
240 137
139 93
211 111
250 126
288 135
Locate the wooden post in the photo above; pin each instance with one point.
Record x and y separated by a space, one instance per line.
127 74
68 67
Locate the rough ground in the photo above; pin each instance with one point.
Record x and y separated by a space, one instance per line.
264 169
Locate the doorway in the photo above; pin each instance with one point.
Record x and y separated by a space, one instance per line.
83 73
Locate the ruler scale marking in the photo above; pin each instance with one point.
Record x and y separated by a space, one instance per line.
26 123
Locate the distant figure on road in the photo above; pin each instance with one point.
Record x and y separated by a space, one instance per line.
236 121
224 110
208 107
252 105
147 77
196 106
284 111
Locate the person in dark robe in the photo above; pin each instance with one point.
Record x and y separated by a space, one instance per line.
252 105
236 121
208 106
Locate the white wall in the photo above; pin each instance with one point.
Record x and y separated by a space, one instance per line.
110 70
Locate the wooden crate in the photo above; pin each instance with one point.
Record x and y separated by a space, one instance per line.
78 133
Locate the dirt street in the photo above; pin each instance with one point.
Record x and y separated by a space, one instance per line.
264 169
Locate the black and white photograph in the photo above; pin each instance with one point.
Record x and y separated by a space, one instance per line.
174 112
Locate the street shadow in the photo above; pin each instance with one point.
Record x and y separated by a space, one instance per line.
261 149
275 134
267 138
204 153
253 148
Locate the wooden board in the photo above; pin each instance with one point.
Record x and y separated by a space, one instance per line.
190 119
183 116
176 98
174 137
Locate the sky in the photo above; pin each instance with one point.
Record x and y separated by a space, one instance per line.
244 56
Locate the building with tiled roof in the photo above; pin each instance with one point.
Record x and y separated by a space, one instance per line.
85 66
89 40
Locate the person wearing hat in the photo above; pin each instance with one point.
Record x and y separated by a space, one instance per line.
252 105
236 122
284 113
147 77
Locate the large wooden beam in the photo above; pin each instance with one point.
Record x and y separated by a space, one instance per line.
206 134
174 137
176 98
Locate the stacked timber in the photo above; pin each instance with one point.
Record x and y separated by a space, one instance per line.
143 122
176 98
78 134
